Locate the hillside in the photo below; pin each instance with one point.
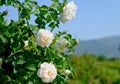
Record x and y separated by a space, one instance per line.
107 46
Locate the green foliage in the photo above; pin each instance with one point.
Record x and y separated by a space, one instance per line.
102 58
55 0
21 62
89 68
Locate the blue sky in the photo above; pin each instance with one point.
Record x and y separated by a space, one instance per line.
94 19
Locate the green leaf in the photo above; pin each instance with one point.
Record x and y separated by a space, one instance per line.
54 15
15 70
20 62
4 40
53 5
52 25
34 2
59 61
13 63
1 18
21 43
43 10
38 20
5 12
59 7
44 7
2 2
10 30
9 2
32 67
65 1
25 13
25 38
48 18
69 35
51 9
55 0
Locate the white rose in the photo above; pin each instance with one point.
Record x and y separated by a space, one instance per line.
26 43
61 44
47 72
0 62
44 38
69 12
30 82
25 25
67 72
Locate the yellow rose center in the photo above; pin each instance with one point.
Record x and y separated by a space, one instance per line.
49 73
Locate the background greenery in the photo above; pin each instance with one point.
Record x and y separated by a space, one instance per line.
90 69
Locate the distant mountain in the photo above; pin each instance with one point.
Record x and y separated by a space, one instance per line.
107 46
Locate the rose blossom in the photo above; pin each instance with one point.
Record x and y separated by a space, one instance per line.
69 12
44 38
67 72
61 44
47 72
30 82
26 43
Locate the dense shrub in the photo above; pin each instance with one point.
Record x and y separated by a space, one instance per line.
32 53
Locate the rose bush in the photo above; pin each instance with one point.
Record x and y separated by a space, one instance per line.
28 53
